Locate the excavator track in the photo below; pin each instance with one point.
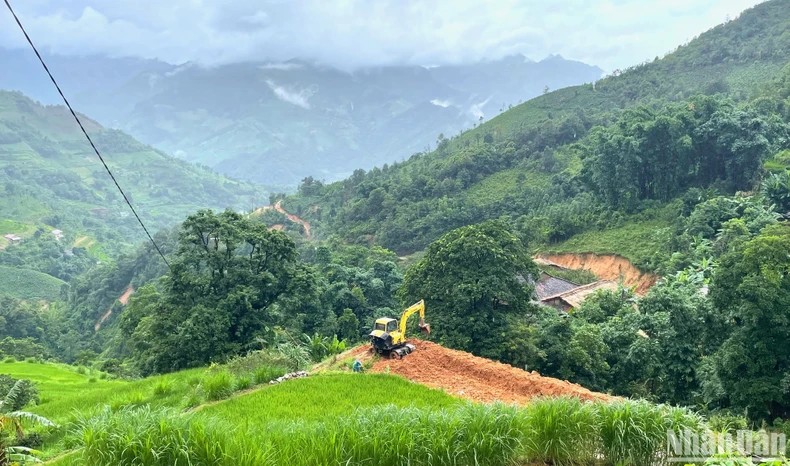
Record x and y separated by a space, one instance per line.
405 350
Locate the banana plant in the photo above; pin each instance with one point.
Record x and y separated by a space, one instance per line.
13 420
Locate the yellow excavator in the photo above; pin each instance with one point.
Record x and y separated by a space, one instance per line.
388 337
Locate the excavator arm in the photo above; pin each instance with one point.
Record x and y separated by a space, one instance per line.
414 308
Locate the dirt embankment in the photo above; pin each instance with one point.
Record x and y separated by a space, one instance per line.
124 299
467 376
607 267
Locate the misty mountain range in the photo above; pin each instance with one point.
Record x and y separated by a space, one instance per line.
276 123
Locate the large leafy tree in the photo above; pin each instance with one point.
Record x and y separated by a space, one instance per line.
229 278
752 285
473 280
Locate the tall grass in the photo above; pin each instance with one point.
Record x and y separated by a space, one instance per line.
142 436
635 431
562 431
551 431
218 386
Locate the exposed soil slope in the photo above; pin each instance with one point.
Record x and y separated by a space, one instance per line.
607 267
124 299
478 379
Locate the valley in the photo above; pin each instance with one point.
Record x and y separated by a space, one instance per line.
595 271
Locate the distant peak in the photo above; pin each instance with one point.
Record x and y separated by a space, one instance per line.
516 58
553 56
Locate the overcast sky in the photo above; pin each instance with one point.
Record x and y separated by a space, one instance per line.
351 33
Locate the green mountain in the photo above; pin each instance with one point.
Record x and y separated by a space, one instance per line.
50 179
528 162
277 123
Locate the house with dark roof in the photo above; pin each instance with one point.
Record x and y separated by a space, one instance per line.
549 285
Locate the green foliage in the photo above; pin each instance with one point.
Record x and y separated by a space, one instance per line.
469 280
266 374
163 388
227 275
552 431
752 287
297 355
22 348
635 431
29 284
561 431
143 436
11 418
44 253
729 423
649 155
243 383
218 386
776 188
319 347
46 179
326 396
24 392
348 325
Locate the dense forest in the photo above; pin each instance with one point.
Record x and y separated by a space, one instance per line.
697 142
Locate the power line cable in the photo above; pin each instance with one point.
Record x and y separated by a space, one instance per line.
79 122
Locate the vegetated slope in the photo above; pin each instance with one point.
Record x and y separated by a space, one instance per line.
326 396
49 176
407 205
29 284
467 376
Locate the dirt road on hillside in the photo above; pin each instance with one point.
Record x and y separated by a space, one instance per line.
292 217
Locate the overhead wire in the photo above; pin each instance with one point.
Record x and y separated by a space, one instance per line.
87 136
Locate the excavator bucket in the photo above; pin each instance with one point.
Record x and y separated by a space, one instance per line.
425 328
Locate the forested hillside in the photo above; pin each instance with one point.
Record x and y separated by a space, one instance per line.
50 177
543 161
60 213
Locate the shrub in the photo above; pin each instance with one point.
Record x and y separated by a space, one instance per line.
252 361
727 423
31 361
92 380
635 431
9 360
218 386
194 397
132 400
243 383
163 388
30 440
26 392
81 370
265 374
